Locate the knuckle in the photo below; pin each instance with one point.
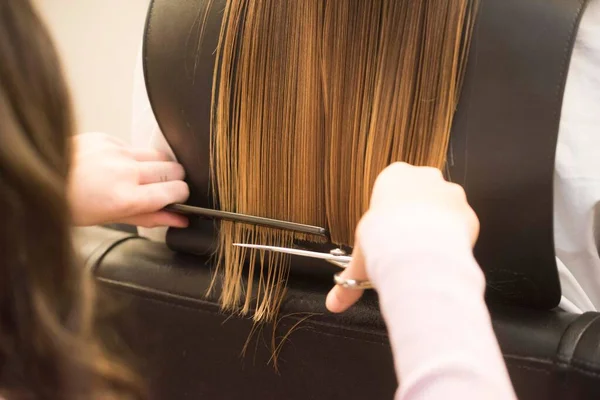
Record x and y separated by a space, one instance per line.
360 227
457 190
183 190
149 220
123 201
475 218
396 168
96 137
179 171
90 135
152 223
122 151
398 165
432 172
174 171
392 171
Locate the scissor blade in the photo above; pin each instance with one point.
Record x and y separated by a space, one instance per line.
297 252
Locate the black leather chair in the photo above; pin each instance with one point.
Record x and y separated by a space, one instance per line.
507 125
188 349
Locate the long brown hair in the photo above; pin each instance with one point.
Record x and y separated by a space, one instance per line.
49 348
312 99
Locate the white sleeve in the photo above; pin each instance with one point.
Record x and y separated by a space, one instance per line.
423 275
145 132
577 173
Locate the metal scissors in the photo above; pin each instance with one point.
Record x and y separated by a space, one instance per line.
336 257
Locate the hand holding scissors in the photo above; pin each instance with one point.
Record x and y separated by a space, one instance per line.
399 189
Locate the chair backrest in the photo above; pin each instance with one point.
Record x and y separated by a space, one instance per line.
503 140
186 348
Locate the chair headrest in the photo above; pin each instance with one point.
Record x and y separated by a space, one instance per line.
503 141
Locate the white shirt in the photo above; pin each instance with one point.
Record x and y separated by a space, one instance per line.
577 173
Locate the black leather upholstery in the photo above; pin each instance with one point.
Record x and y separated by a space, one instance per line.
178 67
504 139
188 349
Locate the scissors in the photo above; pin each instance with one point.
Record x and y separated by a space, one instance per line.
336 257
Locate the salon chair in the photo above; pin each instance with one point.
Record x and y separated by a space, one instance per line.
502 151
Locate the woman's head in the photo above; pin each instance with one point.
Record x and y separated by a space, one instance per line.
46 318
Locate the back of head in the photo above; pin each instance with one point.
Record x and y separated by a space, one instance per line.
46 319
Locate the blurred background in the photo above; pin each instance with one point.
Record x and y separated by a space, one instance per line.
99 41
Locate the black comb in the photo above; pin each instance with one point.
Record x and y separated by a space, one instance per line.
246 219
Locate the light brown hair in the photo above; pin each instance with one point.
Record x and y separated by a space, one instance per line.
312 99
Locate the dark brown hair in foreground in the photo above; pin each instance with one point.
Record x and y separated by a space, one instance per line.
49 347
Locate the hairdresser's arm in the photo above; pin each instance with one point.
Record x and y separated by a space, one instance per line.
112 182
415 245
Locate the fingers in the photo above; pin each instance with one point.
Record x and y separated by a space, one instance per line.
155 196
149 155
160 218
475 226
160 171
100 137
339 298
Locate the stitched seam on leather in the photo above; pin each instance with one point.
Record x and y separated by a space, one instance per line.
584 363
107 249
308 322
89 262
530 368
512 359
142 292
584 371
383 343
165 295
564 359
524 358
93 259
548 363
549 372
346 328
